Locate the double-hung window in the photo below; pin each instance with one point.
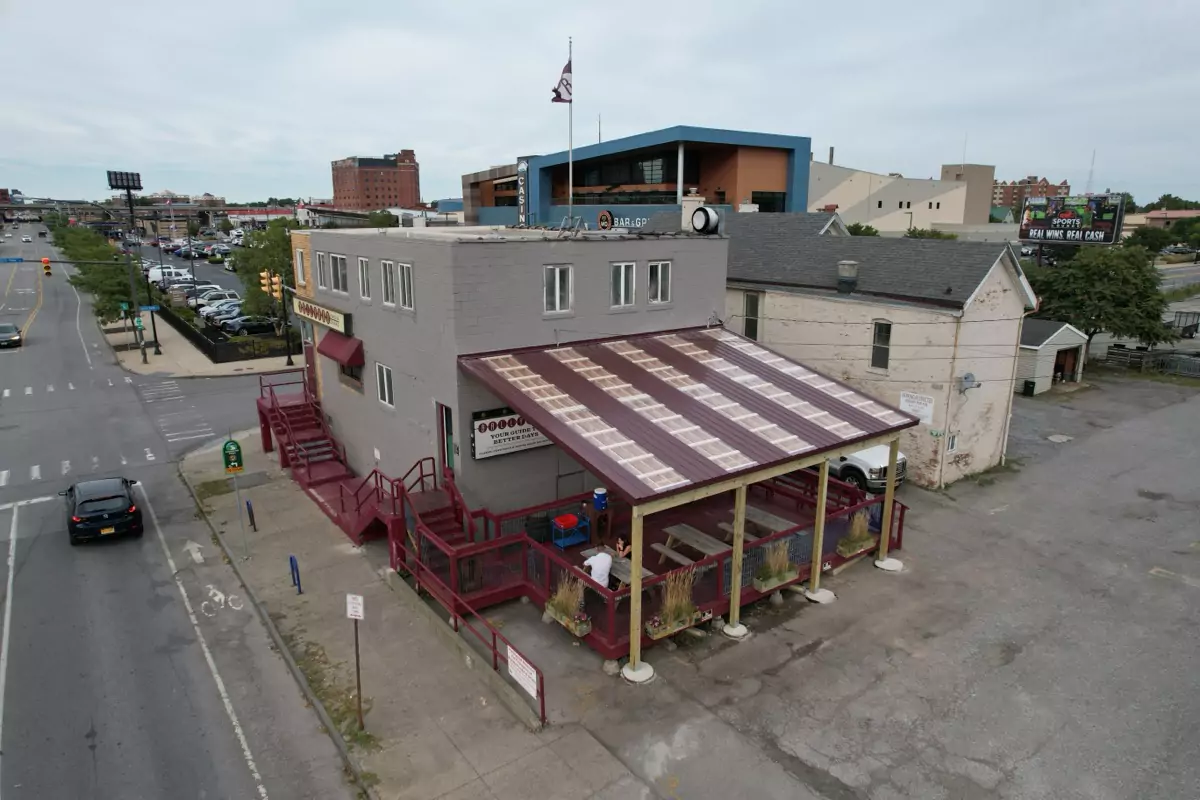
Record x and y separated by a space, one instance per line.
387 280
300 277
659 286
364 278
557 285
406 287
337 265
383 385
322 272
881 344
622 282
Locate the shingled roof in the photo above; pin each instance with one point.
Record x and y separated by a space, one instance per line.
810 223
781 250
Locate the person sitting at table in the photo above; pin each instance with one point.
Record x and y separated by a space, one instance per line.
600 565
622 549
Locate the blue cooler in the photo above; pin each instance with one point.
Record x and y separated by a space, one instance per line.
600 499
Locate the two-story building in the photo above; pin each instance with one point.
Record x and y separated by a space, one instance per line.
930 326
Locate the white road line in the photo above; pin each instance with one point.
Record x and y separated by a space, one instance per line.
28 390
35 472
8 604
31 501
79 329
149 455
123 461
3 477
66 465
70 387
128 379
6 393
173 439
50 387
110 383
208 657
95 463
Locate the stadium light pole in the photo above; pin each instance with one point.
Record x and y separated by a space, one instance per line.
130 182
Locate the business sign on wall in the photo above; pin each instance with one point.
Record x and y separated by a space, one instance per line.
501 431
606 220
335 320
1085 219
522 196
919 405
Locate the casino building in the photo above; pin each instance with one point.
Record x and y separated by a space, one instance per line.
623 182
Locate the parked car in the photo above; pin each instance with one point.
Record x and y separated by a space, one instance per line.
216 308
242 326
228 312
100 508
230 264
214 296
867 469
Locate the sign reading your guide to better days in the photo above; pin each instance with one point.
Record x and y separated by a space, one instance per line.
500 431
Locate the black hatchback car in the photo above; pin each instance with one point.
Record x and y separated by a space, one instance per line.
102 508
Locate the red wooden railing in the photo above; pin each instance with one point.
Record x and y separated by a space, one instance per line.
462 514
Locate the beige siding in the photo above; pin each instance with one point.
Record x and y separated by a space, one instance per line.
883 201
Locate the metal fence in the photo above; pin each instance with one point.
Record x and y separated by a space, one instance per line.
1168 362
222 350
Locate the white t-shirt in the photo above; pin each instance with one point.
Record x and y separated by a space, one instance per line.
601 565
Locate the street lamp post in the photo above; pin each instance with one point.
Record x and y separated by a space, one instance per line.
130 182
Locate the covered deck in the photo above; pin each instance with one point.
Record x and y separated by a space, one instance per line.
703 438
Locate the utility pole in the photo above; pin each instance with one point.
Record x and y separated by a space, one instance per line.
130 182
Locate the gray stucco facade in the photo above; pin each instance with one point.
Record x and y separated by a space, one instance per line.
476 292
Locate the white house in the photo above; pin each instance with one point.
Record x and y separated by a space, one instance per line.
931 326
1051 352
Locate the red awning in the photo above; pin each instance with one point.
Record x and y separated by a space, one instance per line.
346 350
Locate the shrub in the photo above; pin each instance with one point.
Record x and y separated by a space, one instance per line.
567 599
677 606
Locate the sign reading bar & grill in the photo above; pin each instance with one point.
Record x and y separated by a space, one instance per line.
501 431
321 315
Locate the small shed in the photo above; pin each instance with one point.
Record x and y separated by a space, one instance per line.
1051 352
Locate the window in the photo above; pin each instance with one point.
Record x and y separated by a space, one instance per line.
952 443
719 199
881 344
300 278
939 205
322 272
383 385
387 280
557 280
908 204
364 278
406 286
337 266
769 201
750 311
900 205
659 290
351 373
622 294
879 204
931 205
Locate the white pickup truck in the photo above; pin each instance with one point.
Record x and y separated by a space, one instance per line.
867 469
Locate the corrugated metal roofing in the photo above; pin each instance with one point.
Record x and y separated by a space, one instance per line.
657 414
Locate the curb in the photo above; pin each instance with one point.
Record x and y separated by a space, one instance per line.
281 646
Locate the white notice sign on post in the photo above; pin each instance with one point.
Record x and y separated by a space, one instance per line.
919 405
354 606
522 672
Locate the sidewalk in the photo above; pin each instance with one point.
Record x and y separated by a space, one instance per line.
181 359
434 729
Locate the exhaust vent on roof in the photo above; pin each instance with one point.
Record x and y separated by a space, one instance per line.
847 276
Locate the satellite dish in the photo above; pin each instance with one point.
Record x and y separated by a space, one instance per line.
705 220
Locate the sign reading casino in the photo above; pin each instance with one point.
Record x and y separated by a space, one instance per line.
335 320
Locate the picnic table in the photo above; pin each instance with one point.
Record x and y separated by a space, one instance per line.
766 520
622 568
695 539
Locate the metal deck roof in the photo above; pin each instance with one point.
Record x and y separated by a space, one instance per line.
657 414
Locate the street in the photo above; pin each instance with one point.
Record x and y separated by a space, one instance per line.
128 668
1176 275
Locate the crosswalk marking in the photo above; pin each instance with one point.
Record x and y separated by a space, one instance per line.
6 392
50 387
3 477
110 383
149 454
95 463
35 472
66 465
128 379
28 390
13 473
70 387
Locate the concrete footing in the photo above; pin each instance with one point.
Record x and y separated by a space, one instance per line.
642 673
890 564
612 667
822 596
738 631
776 598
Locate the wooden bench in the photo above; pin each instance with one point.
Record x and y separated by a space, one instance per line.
728 528
674 555
697 540
768 521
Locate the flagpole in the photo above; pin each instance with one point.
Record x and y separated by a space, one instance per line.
571 138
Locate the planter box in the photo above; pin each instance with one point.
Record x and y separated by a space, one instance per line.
579 629
848 548
765 585
669 630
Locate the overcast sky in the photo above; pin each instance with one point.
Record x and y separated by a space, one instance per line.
254 98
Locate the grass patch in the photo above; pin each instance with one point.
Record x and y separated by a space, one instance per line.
213 488
1133 375
1176 258
989 476
1182 292
336 695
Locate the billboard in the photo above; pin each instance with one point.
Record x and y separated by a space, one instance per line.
1083 219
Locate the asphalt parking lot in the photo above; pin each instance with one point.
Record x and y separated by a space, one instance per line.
205 272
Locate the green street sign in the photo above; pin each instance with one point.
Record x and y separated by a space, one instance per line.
137 323
232 453
124 306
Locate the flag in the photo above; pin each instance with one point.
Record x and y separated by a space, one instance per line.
562 92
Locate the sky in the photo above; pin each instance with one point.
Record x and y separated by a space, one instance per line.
255 98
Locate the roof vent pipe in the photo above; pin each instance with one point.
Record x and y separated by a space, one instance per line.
847 276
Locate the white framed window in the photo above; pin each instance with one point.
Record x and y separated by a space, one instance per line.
557 285
881 344
337 266
383 385
952 443
387 282
322 272
622 282
301 278
406 287
659 283
364 278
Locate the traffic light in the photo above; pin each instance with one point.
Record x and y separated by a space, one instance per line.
277 287
264 282
45 262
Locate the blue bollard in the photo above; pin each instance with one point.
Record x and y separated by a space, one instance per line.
250 515
295 567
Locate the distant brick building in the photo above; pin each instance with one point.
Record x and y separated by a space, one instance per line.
369 184
1012 194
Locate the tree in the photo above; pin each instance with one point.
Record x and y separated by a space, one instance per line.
1151 239
225 226
268 250
193 227
1113 289
1169 202
382 219
106 278
858 229
928 233
1130 206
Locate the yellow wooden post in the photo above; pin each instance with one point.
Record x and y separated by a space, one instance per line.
818 540
735 629
885 525
636 670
